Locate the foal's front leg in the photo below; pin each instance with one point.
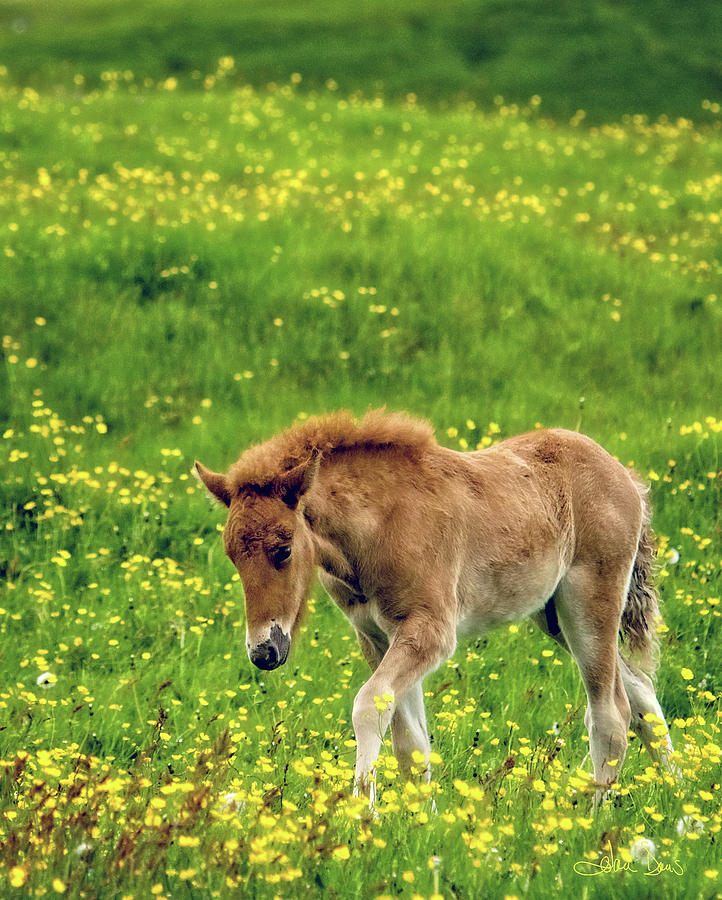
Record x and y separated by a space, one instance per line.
409 731
417 648
408 723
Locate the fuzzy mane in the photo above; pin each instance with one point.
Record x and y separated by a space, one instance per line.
262 464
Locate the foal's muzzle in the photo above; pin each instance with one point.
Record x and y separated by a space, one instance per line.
273 652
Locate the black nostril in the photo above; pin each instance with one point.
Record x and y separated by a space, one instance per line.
271 656
265 656
273 652
282 642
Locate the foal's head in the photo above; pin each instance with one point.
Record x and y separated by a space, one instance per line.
270 543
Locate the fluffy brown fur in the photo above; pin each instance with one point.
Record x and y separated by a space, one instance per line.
419 544
263 464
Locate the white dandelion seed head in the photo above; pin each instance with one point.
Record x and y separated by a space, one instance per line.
83 849
687 823
641 849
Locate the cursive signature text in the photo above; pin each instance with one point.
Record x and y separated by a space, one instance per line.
609 863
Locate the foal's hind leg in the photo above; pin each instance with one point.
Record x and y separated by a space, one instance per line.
589 608
643 701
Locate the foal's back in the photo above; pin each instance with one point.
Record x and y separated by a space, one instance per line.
535 506
600 497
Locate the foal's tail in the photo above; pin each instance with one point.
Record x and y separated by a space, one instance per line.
641 611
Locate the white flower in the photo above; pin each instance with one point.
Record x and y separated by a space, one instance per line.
231 803
84 850
687 823
46 680
642 849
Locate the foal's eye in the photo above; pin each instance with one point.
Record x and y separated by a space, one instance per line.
280 554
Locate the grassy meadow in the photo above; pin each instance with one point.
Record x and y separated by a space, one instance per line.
193 259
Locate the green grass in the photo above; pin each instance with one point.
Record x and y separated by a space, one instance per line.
605 57
188 267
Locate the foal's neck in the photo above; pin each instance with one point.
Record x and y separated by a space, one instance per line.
346 507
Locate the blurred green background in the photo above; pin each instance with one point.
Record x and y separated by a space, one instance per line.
607 57
500 318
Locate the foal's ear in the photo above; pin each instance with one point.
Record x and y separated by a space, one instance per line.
294 483
217 484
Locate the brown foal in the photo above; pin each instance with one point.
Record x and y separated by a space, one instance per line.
419 545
